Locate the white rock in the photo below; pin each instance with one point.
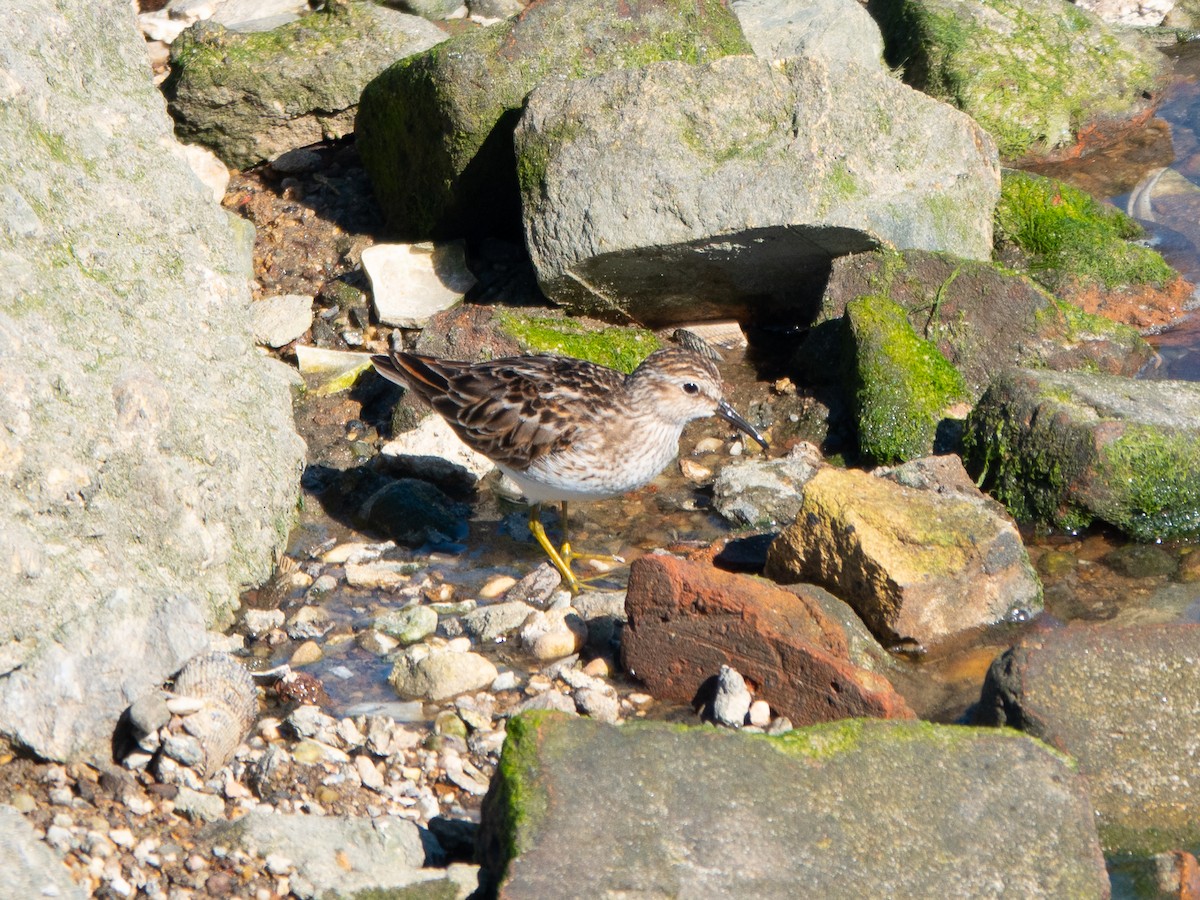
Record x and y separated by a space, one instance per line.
732 700
158 26
368 773
213 173
319 361
280 320
412 282
433 437
760 714
258 15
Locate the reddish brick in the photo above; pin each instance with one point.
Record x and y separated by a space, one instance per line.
687 618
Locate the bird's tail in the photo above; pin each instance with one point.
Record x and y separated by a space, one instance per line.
421 373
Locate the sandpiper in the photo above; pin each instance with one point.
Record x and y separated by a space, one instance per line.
564 429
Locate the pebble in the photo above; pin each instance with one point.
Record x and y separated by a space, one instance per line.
379 575
553 634
277 321
309 622
356 552
505 681
408 625
537 587
732 700
376 642
441 675
496 586
258 622
599 705
199 806
694 471
306 654
760 714
369 773
490 623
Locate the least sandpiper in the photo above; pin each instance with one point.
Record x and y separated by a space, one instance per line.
564 429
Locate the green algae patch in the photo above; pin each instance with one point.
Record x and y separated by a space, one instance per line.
516 801
1069 236
1053 449
1033 73
1158 473
902 382
618 347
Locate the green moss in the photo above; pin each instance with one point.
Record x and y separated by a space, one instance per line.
842 181
821 741
1069 234
1031 466
214 51
902 384
618 347
1158 472
533 156
1032 77
518 802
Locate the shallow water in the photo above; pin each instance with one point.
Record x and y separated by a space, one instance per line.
1089 576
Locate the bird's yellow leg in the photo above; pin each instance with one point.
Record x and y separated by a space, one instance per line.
539 534
570 555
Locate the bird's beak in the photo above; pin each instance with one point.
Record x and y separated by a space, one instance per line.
730 415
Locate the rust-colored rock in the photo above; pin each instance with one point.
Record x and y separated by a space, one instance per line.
687 619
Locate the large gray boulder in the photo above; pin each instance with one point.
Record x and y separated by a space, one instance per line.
1125 703
678 192
833 29
250 97
1067 448
435 129
849 809
148 462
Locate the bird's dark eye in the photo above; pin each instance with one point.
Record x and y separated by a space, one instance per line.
691 388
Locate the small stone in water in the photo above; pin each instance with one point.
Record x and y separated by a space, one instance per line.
306 654
496 586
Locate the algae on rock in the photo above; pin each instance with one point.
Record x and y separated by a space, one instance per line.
1064 449
1034 73
435 130
902 384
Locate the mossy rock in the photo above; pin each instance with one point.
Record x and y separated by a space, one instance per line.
1065 449
250 97
983 318
1069 237
435 130
807 814
902 383
1034 73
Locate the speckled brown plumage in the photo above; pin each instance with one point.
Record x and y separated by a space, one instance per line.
565 429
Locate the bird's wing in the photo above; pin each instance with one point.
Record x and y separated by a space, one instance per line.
513 411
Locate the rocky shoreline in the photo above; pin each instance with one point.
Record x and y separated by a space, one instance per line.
410 706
